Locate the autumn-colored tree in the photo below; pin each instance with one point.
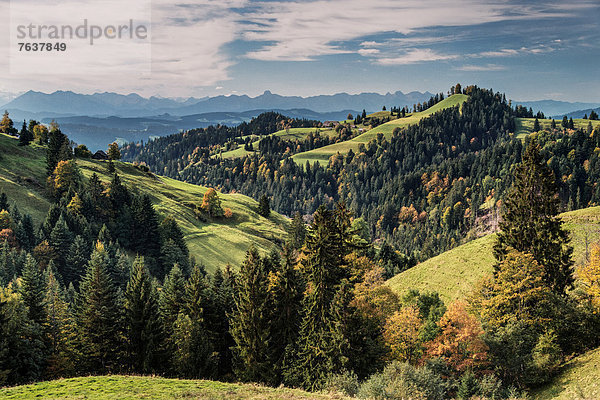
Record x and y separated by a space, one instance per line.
65 175
401 334
5 220
6 125
40 134
460 344
113 151
589 275
211 203
518 292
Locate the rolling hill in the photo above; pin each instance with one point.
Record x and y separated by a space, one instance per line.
215 243
454 273
323 154
524 126
139 387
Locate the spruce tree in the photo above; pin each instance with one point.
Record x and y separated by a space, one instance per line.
60 241
296 232
141 319
33 289
251 319
79 254
193 344
61 330
99 316
531 224
24 136
324 270
264 208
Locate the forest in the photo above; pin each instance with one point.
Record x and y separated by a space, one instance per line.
107 285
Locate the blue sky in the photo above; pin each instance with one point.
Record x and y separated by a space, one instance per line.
528 49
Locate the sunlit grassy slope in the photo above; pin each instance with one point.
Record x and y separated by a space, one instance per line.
137 387
454 273
289 134
323 154
579 379
214 244
525 125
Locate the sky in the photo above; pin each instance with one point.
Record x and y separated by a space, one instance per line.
530 50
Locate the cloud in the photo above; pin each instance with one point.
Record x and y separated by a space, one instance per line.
481 68
368 52
303 31
415 56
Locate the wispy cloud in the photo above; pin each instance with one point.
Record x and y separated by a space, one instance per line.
481 68
415 56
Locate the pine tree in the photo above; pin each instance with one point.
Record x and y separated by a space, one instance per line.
79 254
3 202
536 125
285 290
171 303
224 303
141 319
296 232
324 270
33 289
61 331
264 209
146 235
54 152
24 136
531 223
193 355
251 319
99 315
60 241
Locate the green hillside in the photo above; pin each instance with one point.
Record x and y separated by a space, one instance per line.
285 134
138 387
525 125
454 273
215 244
323 154
579 379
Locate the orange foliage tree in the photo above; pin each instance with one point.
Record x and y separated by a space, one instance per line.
589 275
459 344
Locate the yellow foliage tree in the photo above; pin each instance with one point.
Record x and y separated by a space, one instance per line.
518 292
65 174
589 275
401 334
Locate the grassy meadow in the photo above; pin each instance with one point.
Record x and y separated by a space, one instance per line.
214 243
454 273
138 387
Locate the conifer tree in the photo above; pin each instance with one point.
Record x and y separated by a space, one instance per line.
25 136
61 330
250 320
224 303
79 254
33 289
536 125
296 232
141 319
60 241
531 223
99 315
324 270
193 345
171 303
264 209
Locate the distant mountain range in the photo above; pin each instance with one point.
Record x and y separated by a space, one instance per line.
66 103
100 118
558 108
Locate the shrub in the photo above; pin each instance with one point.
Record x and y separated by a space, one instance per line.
345 383
403 381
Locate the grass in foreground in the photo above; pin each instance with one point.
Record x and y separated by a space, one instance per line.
323 154
454 273
138 387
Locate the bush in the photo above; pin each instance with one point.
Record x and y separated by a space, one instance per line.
345 383
404 381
